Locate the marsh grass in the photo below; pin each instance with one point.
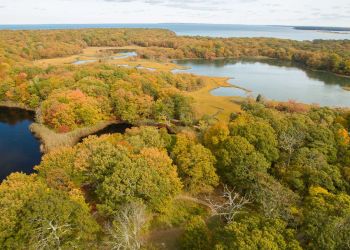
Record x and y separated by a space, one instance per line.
219 106
51 140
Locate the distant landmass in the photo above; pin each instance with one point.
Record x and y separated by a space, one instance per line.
321 28
300 33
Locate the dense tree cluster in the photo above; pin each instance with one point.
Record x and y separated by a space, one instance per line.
73 97
293 168
289 172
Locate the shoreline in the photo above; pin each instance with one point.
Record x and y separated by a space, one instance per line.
9 104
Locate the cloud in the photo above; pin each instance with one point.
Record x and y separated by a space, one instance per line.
286 12
196 5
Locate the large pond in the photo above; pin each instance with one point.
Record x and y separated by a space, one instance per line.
275 80
19 149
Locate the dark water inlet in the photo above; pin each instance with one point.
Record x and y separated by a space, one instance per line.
19 149
111 129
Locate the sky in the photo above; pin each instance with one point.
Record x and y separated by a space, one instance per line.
278 12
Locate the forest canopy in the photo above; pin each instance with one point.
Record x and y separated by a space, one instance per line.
273 176
289 188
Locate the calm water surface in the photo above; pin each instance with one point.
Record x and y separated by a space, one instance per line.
19 149
275 80
111 129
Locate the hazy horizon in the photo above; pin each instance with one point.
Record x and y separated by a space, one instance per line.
177 23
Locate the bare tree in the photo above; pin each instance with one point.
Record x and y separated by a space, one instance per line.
125 232
288 141
49 236
232 203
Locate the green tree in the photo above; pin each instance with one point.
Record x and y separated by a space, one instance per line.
259 133
238 162
196 235
326 223
121 176
256 232
142 137
131 106
195 164
309 168
33 216
53 220
215 135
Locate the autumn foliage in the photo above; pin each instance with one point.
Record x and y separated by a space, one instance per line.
71 109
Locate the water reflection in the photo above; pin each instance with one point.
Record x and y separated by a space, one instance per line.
19 149
275 79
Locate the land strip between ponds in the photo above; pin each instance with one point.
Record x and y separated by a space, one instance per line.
51 140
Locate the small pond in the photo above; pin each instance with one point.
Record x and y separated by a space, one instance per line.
80 62
121 55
